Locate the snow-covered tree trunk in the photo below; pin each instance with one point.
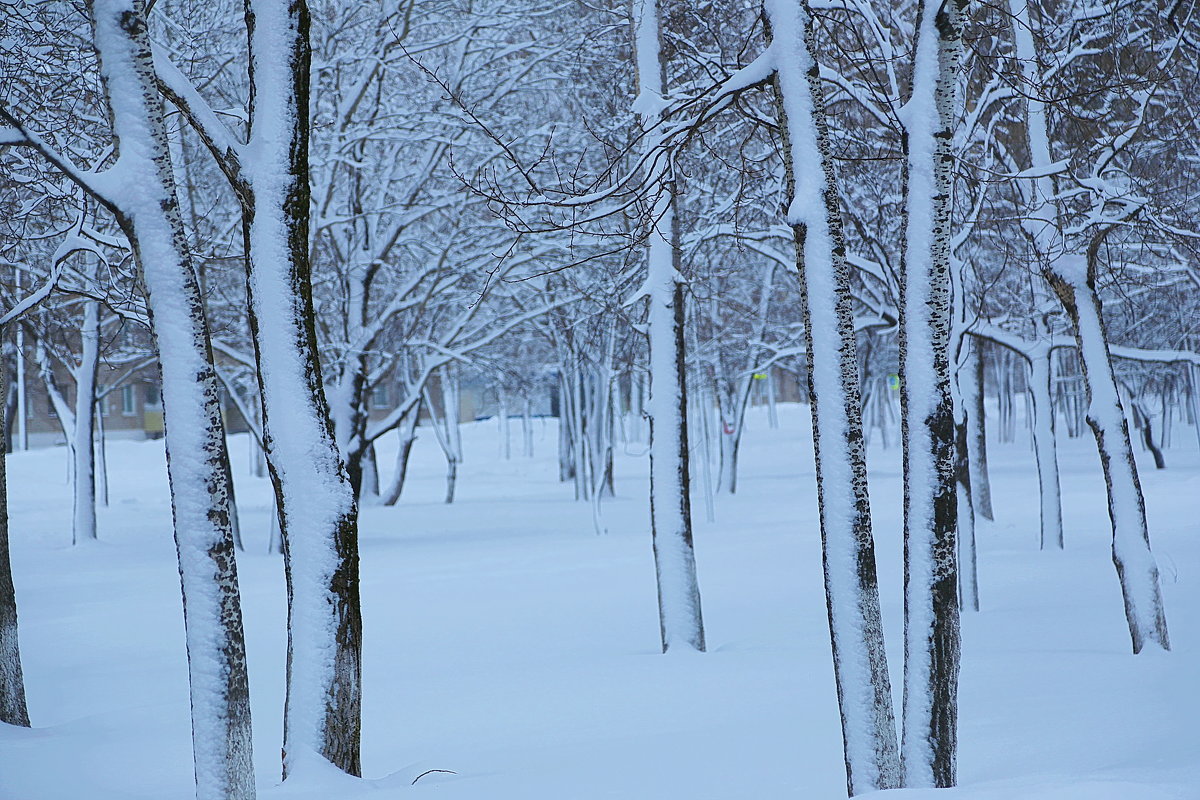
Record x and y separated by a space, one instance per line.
931 611
1193 373
968 562
731 434
680 620
370 475
140 190
527 427
445 427
971 389
318 513
100 446
13 710
21 438
734 392
1045 448
1073 280
235 523
502 413
772 407
83 516
1072 276
406 431
566 463
848 547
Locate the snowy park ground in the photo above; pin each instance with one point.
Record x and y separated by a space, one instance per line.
507 642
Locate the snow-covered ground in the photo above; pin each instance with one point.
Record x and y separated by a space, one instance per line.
505 641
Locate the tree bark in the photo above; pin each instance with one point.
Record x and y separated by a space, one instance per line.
1045 449
931 610
848 546
12 683
318 512
1136 569
147 206
83 517
407 433
973 400
680 620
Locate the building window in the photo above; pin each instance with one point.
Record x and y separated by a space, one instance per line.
128 406
152 397
379 397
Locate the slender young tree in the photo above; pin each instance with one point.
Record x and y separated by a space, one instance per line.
83 481
971 388
931 610
680 620
1073 276
848 547
1137 570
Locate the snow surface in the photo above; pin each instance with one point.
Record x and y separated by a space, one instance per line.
508 643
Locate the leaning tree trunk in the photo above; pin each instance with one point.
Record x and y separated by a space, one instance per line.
1136 569
146 204
407 433
1073 279
12 683
848 547
680 621
931 611
318 513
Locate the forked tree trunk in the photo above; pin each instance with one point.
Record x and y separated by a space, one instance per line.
319 515
931 611
848 548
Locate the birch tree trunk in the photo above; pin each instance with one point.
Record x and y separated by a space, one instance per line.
931 611
973 399
848 547
100 446
1073 279
142 194
83 517
1136 568
680 620
1045 448
12 683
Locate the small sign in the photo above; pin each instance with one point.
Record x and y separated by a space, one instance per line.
893 381
760 376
